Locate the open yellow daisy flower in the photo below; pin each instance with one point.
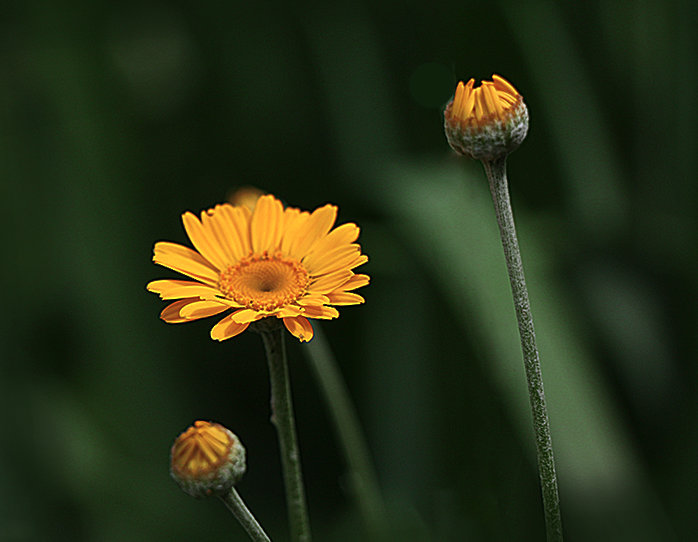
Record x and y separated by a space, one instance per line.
268 262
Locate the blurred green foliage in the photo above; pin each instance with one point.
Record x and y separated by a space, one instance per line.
116 117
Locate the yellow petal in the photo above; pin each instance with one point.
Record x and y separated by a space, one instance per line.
291 215
358 260
186 261
315 227
489 97
220 232
202 241
356 281
321 263
313 299
299 328
245 316
503 85
288 310
294 221
202 309
170 314
228 302
201 291
178 289
345 298
328 283
163 285
324 313
227 328
498 107
341 235
265 226
468 99
238 220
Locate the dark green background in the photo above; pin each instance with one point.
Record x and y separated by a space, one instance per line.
115 117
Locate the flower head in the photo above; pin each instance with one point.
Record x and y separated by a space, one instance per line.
486 122
267 263
207 459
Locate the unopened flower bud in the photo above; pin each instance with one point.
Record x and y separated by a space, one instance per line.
207 459
246 196
486 122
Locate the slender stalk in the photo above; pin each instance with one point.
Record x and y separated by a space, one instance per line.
349 434
496 175
284 421
236 505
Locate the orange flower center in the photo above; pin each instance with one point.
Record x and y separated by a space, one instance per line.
200 450
264 282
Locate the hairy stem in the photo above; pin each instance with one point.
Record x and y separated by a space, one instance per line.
496 175
284 421
236 505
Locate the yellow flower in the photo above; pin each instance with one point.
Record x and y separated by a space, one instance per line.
207 459
270 262
486 122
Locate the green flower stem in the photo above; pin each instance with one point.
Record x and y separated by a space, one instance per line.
236 505
496 175
349 434
283 420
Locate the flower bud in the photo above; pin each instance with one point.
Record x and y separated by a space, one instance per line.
486 122
247 196
207 459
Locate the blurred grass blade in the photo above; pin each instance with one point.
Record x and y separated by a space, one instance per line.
349 433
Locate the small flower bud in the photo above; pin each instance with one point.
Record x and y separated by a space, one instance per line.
207 459
486 122
246 196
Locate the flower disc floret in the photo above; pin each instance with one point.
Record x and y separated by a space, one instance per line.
486 122
263 282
